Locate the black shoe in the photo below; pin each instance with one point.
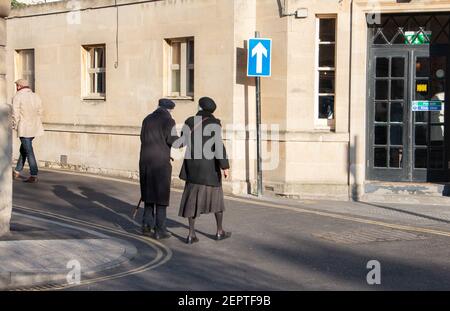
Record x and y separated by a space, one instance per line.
161 235
191 240
222 236
147 231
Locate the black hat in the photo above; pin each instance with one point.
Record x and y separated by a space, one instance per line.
166 103
207 104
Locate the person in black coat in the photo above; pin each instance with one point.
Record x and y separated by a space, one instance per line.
205 160
158 134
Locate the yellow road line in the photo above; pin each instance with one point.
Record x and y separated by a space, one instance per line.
158 261
295 209
343 217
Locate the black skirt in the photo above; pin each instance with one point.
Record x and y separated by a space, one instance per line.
201 199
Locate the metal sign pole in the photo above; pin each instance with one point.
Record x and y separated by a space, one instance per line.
258 132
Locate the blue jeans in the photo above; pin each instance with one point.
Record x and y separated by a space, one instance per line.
27 152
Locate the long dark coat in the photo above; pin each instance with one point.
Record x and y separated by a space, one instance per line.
155 170
203 170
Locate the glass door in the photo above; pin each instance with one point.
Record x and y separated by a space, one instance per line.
429 85
388 115
407 119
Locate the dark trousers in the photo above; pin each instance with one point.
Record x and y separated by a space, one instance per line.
27 153
155 217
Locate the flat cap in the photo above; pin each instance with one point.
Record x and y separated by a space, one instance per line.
166 103
207 104
22 83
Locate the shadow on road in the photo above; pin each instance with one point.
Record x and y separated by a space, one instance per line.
402 211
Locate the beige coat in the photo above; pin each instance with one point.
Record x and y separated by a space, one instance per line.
27 112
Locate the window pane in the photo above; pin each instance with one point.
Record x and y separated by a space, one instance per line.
421 116
29 60
422 90
438 116
190 81
420 159
381 112
380 157
25 60
382 67
100 54
326 82
327 31
437 135
436 158
191 52
438 89
176 53
396 135
397 89
398 67
326 55
101 83
396 158
396 112
423 67
381 135
326 107
175 81
381 89
421 135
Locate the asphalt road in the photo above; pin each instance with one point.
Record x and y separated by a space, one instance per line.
275 246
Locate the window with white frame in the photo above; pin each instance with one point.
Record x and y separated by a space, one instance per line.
25 66
94 80
181 67
326 71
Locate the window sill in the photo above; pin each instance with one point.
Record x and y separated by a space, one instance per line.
325 125
186 98
88 98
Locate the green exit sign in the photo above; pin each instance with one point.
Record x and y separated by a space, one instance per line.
417 37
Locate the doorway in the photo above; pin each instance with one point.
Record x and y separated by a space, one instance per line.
407 122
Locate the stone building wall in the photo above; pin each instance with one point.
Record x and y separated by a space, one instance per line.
5 129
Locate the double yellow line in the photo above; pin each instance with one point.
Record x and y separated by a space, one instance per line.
163 253
343 217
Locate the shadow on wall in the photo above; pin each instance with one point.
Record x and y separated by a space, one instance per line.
242 79
354 195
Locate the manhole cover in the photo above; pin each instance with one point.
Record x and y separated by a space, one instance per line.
369 236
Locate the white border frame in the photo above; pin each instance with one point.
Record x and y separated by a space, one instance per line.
270 60
323 124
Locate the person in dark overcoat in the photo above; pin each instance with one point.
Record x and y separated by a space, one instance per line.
205 161
158 134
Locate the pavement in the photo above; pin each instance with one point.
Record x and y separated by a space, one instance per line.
41 252
277 244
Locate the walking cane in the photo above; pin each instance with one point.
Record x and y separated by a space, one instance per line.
136 209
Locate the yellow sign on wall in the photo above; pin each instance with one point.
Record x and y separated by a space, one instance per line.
422 88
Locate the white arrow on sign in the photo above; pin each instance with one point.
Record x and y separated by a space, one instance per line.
259 50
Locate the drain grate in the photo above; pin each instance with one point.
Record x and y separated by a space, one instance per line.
369 236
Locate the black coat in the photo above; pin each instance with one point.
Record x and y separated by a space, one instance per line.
155 170
203 170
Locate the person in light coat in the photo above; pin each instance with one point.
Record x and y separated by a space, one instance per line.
26 117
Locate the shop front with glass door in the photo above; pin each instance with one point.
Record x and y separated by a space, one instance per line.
407 123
